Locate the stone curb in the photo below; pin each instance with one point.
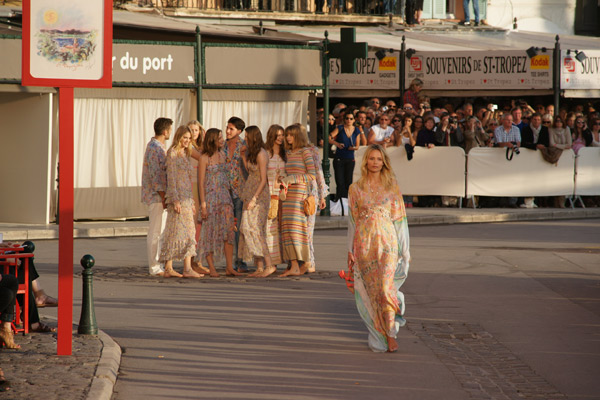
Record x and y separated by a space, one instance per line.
107 371
16 232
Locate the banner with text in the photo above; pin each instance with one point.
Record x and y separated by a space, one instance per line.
580 75
371 73
153 63
477 70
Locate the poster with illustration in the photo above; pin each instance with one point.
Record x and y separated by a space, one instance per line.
67 43
66 39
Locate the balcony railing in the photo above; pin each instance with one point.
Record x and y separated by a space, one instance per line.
332 7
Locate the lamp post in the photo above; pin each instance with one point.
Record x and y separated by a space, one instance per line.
401 78
326 174
556 75
347 50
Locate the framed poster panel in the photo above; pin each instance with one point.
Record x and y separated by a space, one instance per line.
67 43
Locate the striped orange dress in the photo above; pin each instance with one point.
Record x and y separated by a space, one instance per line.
300 170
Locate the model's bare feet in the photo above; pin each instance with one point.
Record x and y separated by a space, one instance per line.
311 268
257 273
268 271
294 271
171 273
190 273
158 274
232 272
392 345
304 268
199 268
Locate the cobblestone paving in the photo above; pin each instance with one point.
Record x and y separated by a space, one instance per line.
140 274
36 372
485 368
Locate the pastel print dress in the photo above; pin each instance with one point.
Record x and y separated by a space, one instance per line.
379 241
178 239
276 168
218 228
253 228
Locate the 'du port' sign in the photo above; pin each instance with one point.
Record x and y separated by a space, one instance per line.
371 73
477 70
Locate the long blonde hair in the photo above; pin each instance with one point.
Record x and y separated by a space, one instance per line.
175 146
198 142
388 178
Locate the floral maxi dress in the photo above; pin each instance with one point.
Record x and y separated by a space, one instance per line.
253 228
276 168
178 240
379 241
218 227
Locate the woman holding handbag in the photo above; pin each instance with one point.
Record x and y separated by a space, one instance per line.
319 190
276 169
300 170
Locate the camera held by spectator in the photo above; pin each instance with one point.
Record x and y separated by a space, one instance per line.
516 148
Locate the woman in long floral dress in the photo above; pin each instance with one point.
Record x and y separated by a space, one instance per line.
256 198
178 239
378 249
197 139
275 170
300 170
318 189
216 207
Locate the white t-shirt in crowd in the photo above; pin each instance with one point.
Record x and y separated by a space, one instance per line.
380 133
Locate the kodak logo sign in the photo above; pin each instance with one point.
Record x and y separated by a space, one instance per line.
387 64
540 62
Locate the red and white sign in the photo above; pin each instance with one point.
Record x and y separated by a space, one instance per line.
575 74
67 43
475 70
371 73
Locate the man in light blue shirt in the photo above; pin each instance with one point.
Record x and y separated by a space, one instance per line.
507 134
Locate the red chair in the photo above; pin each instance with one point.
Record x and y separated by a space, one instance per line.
12 260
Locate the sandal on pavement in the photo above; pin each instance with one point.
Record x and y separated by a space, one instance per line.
4 384
42 328
7 339
43 300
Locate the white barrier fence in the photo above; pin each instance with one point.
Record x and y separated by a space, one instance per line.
436 171
587 169
489 173
443 171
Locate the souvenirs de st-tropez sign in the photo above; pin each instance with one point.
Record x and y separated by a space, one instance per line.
371 73
580 75
468 70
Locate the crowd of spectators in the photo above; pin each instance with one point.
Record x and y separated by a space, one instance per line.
511 123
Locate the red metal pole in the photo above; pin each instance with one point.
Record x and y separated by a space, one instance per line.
65 227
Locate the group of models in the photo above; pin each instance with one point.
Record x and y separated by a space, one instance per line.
260 193
235 198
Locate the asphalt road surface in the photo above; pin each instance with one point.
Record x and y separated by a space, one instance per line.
502 311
